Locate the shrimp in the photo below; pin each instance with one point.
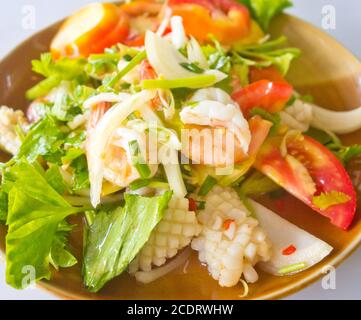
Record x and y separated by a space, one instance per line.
216 132
117 158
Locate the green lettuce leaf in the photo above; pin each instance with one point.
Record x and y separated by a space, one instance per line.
60 255
55 179
114 239
35 211
3 205
266 54
263 11
55 72
45 139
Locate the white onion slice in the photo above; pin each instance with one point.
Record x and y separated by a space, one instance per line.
150 276
101 136
195 53
105 97
339 122
166 59
179 38
309 249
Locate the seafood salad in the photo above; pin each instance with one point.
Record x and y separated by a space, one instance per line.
159 124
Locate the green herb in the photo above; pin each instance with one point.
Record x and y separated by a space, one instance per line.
100 64
130 66
3 205
55 72
265 55
81 174
55 179
272 117
127 57
207 186
181 95
45 139
292 268
115 238
60 255
307 98
333 143
138 161
319 135
216 56
192 67
263 11
200 81
201 205
329 199
257 184
35 213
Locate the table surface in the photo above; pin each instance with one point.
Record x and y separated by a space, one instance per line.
15 26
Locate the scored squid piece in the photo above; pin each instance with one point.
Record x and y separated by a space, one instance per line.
231 242
173 233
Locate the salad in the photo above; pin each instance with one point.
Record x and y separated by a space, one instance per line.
159 123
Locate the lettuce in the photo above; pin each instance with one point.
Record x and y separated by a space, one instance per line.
266 54
60 255
114 238
36 236
263 11
55 72
45 139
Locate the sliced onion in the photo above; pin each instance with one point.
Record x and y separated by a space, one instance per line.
195 53
340 122
101 135
165 22
150 276
168 103
179 38
105 97
166 59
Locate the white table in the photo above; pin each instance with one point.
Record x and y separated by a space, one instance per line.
14 27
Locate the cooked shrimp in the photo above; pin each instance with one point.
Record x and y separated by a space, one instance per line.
216 132
118 167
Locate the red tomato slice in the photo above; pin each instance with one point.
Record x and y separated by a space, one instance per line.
227 20
269 73
259 131
268 95
307 170
90 30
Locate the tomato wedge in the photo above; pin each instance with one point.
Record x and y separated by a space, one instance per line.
259 131
268 95
91 30
227 20
268 73
307 170
144 16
